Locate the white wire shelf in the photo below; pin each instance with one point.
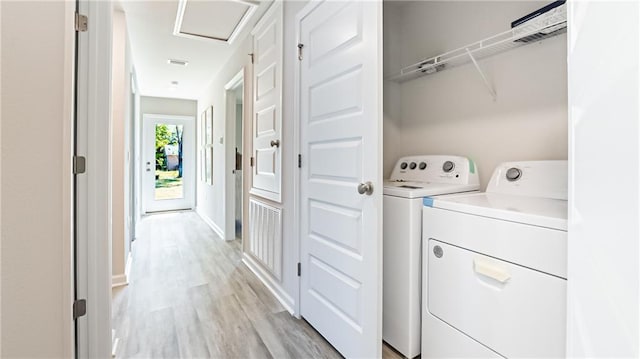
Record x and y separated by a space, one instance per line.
538 29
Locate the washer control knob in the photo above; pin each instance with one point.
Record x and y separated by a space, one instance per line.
412 165
513 174
438 252
448 166
422 165
403 165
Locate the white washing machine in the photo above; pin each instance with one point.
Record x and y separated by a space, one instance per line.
413 178
495 267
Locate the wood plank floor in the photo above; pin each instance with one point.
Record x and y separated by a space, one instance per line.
190 296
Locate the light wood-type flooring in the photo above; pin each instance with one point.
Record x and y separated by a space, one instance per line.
190 296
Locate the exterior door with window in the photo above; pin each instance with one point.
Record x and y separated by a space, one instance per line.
168 171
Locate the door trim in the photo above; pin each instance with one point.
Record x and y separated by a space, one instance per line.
297 229
230 154
93 261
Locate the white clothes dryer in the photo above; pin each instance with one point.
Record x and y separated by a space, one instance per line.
495 266
413 178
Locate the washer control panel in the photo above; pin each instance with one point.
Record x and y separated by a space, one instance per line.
435 168
448 166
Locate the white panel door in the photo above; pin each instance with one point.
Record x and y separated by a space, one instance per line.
267 104
341 145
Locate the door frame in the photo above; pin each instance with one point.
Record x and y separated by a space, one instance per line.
189 196
297 128
230 156
93 188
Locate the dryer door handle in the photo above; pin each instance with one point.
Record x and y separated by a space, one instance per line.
490 270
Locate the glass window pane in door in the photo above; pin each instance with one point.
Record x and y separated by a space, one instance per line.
168 150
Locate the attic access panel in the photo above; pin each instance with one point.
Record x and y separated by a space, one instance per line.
220 20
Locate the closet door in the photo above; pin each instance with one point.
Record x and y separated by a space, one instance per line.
267 104
341 179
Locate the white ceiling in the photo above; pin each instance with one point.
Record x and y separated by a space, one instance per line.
150 26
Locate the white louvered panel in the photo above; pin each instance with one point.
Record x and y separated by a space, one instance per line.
265 236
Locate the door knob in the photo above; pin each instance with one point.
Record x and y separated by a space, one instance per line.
365 188
275 143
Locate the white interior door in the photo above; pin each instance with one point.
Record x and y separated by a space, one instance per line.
341 146
168 169
267 104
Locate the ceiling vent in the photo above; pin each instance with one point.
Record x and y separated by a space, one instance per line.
178 62
220 20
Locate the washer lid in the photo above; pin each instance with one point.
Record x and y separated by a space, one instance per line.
542 212
423 189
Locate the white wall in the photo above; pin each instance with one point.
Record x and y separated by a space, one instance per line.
129 145
392 46
451 112
0 182
121 148
212 199
36 179
167 106
119 123
604 197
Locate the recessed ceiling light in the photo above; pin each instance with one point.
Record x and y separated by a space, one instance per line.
178 62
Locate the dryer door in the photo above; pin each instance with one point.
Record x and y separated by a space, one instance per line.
515 311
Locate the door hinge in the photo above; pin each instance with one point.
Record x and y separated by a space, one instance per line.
251 161
299 160
79 165
251 55
299 269
300 46
79 308
81 23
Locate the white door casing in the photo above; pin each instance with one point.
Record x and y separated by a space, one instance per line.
93 216
149 203
267 102
230 154
341 146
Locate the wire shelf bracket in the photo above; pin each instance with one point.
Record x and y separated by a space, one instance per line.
488 84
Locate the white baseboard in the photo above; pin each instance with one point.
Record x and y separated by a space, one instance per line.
119 280
211 224
122 279
269 282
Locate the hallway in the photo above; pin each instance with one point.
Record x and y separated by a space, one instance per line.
190 296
